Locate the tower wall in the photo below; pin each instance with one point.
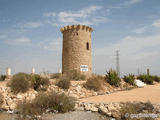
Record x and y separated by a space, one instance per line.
76 52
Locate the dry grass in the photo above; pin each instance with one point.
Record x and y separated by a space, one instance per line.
64 82
136 108
44 101
94 83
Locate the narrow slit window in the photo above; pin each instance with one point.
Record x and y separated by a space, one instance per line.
87 46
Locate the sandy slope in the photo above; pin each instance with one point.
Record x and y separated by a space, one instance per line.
148 93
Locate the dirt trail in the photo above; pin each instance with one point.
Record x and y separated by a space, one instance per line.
148 93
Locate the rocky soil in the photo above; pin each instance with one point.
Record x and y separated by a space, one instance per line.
76 90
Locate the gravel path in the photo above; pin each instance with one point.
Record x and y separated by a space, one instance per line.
148 93
76 115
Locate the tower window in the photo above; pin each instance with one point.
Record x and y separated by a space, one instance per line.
87 46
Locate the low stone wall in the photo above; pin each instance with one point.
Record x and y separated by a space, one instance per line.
108 109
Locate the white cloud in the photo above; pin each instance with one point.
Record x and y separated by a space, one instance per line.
52 45
50 14
89 16
31 25
156 23
131 2
125 4
20 41
132 46
140 30
135 52
90 10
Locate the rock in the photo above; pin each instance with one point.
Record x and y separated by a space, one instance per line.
95 94
5 106
70 92
82 95
87 106
108 92
12 106
104 111
75 96
80 108
19 96
78 88
139 83
32 96
116 114
111 107
10 111
94 109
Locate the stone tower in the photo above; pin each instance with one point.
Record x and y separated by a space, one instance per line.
76 54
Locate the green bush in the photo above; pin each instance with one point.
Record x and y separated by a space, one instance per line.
56 75
135 108
94 83
46 101
64 82
76 75
38 82
20 82
146 79
129 79
156 78
112 78
3 77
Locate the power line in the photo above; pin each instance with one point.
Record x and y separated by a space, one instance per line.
117 63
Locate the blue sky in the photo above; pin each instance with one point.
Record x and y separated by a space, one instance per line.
30 33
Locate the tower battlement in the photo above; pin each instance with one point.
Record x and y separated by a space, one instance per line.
78 27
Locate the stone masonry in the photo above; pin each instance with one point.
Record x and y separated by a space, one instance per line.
76 53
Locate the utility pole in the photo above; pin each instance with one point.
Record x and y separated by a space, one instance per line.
117 63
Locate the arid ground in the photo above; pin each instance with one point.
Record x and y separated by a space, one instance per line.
148 93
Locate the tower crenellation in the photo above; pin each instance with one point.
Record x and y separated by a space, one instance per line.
77 27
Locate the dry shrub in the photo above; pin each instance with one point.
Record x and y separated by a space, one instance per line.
3 77
27 108
44 101
20 82
94 83
55 101
1 99
64 82
38 82
136 108
56 75
76 75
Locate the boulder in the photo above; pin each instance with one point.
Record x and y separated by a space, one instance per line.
94 109
139 83
116 114
19 96
87 106
104 110
111 107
